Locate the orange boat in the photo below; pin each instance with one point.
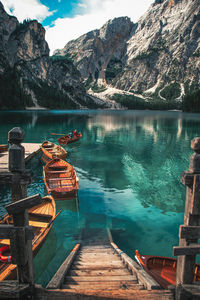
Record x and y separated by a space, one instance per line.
66 139
52 150
60 178
3 148
41 217
162 269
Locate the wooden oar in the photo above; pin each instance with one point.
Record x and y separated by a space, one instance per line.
58 133
47 227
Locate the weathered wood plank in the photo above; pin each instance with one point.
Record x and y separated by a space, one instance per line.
143 277
12 289
189 232
21 205
101 272
186 250
195 200
58 278
87 294
97 266
109 285
100 278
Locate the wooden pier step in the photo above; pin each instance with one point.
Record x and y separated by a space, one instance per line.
95 270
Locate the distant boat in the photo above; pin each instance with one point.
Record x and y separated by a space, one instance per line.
162 269
41 218
3 148
60 178
66 139
52 150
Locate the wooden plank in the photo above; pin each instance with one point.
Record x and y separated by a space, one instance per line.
88 294
189 232
20 205
6 231
38 224
5 242
78 279
97 266
100 272
143 277
96 260
12 289
58 278
109 285
192 249
195 200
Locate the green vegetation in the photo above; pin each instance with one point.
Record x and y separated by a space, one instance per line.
23 25
65 58
191 102
50 97
133 102
171 91
113 69
12 95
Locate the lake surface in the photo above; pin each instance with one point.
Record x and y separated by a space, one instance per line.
129 165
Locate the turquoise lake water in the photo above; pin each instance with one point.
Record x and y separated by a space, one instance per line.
129 165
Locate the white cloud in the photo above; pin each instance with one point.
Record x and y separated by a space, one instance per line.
98 12
28 9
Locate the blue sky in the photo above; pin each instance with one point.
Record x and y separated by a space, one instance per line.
65 20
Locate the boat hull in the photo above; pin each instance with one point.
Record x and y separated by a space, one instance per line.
40 217
60 179
162 269
52 150
64 140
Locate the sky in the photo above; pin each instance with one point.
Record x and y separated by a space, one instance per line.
65 20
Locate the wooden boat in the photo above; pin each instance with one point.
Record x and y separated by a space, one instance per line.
3 148
162 269
60 178
41 218
52 150
66 139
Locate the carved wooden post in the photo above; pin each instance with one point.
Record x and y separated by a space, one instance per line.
190 232
21 241
16 163
20 179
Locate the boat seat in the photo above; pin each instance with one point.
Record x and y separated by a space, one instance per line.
38 224
5 242
54 172
61 178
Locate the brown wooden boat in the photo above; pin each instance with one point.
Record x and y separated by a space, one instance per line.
162 269
41 217
52 150
66 139
3 148
60 178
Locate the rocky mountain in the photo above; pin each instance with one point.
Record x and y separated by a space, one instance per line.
29 77
157 59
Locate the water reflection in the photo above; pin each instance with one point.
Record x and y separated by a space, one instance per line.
129 165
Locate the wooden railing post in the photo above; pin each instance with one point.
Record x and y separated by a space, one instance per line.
190 232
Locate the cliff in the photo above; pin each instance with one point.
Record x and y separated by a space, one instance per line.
29 77
158 58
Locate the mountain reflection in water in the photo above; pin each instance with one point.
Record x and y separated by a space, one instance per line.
129 165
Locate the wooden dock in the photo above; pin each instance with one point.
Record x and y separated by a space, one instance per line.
31 149
97 269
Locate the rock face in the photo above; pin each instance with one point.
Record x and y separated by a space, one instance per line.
28 76
95 51
157 57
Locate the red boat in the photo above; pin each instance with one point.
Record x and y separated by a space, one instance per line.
162 269
3 148
60 178
66 139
